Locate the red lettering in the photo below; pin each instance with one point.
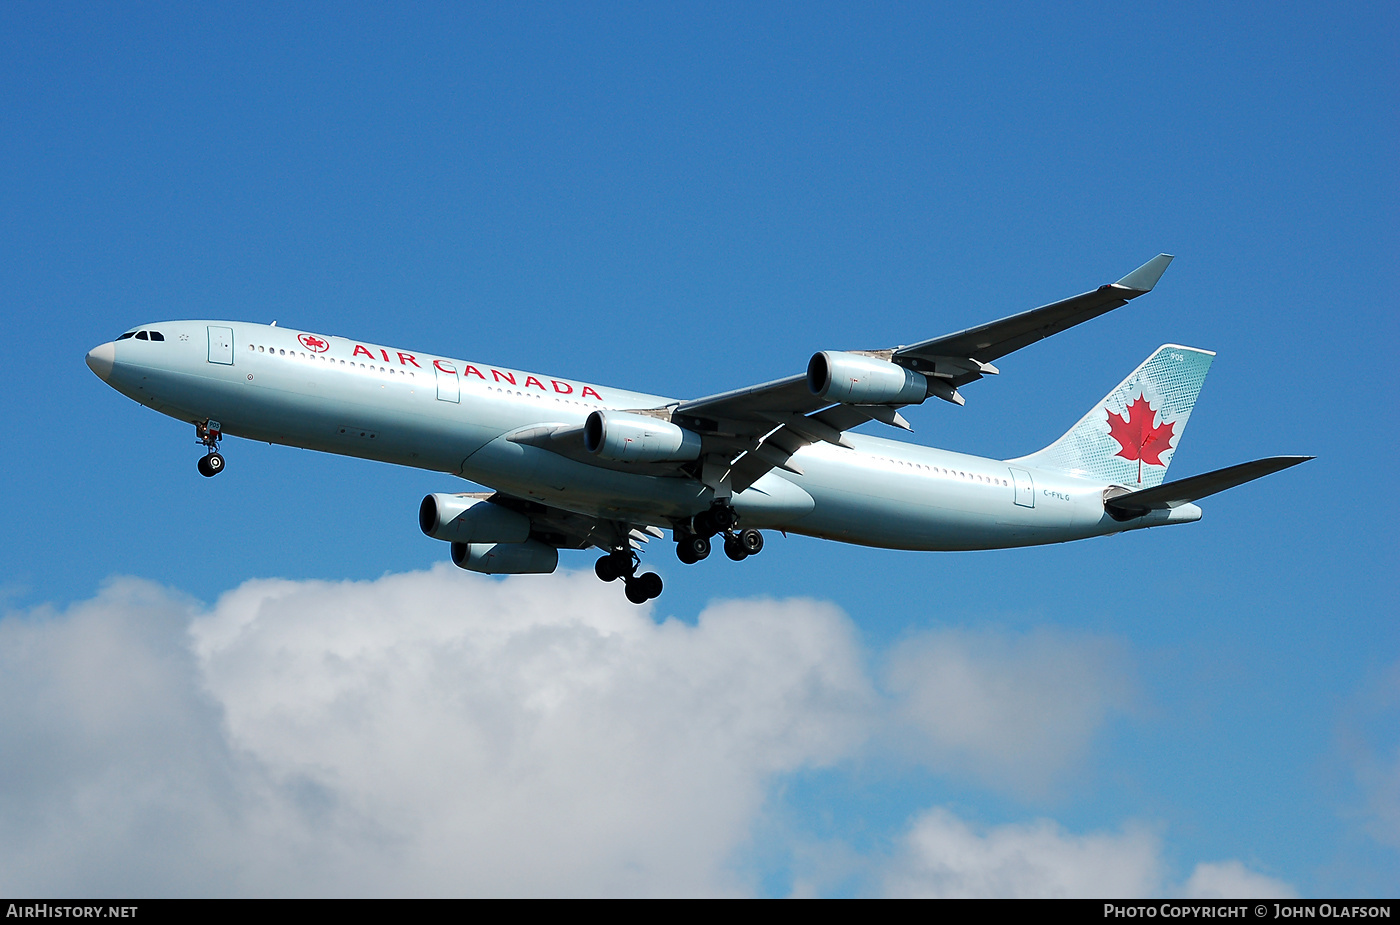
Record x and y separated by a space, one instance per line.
405 358
386 354
359 350
499 376
588 390
472 371
566 390
445 367
530 379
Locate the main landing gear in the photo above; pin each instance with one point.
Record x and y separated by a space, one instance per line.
623 564
209 434
692 545
720 518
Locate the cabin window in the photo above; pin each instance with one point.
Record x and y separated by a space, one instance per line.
142 335
156 335
126 335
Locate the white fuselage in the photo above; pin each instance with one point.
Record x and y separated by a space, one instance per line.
447 415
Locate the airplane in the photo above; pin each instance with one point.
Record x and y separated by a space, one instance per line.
573 465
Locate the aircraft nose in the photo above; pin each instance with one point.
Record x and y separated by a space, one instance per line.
100 360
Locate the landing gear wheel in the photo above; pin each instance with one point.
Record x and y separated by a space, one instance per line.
734 549
615 565
650 583
606 569
752 541
215 463
203 467
692 548
643 588
723 516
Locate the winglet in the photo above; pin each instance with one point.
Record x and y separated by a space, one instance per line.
1145 277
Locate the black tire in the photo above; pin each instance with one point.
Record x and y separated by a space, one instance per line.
216 463
734 549
650 584
697 547
635 592
752 541
704 524
203 467
684 552
723 517
606 569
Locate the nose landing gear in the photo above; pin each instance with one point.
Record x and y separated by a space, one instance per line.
209 434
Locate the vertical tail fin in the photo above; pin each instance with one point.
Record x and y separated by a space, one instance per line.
1131 436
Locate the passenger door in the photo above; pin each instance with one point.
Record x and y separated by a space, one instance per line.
221 345
1025 488
447 385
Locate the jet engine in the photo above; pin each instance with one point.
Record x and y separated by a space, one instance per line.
853 379
528 558
463 519
623 437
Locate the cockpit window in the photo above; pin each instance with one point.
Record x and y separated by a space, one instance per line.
126 335
142 335
156 335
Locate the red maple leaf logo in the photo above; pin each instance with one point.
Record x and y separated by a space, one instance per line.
1136 435
313 343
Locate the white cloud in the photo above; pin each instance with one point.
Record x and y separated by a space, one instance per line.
1232 880
424 733
1018 709
527 736
944 857
445 733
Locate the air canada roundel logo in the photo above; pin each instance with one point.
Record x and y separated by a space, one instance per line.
313 343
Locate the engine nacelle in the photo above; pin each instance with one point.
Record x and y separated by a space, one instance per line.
853 379
460 519
624 437
528 558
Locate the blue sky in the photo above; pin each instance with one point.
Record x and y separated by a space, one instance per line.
687 199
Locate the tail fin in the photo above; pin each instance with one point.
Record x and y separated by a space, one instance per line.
1130 437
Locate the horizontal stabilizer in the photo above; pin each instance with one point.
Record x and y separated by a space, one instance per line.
1184 491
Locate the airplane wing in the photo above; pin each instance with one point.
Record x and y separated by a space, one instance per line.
746 432
1132 504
